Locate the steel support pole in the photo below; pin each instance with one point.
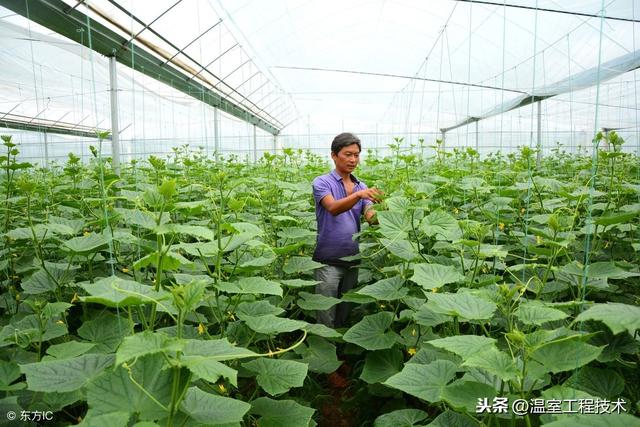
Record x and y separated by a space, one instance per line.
115 137
46 150
255 146
477 143
539 143
443 139
216 131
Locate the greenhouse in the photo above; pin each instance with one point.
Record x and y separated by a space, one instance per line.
300 213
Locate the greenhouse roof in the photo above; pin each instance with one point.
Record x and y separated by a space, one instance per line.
322 66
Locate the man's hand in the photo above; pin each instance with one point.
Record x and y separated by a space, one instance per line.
372 194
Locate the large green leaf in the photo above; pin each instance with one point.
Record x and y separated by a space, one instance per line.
319 354
145 343
105 420
251 285
139 218
495 362
386 289
597 381
198 231
270 324
205 249
218 349
281 413
296 234
537 313
257 308
618 317
401 248
86 244
465 394
441 225
106 331
464 345
380 365
69 349
308 301
394 225
170 260
565 354
209 369
401 418
116 292
424 381
616 218
322 330
464 305
299 283
598 270
66 374
277 376
213 410
372 332
9 372
114 390
42 281
298 264
431 276
428 317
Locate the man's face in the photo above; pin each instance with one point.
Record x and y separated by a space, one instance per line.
347 158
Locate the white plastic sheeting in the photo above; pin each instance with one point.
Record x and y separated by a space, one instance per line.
378 68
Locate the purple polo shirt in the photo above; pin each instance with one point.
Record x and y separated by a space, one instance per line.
335 233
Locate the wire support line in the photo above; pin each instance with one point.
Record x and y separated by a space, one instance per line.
192 42
542 9
151 23
183 66
397 76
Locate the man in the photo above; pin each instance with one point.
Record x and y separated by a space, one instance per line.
341 199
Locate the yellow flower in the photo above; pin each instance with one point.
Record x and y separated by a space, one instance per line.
434 290
413 332
60 322
411 351
74 298
231 316
86 233
501 226
455 211
125 270
201 329
539 240
222 388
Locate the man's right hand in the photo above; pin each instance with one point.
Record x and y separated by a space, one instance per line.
372 194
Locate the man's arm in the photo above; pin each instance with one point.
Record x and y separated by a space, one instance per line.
336 207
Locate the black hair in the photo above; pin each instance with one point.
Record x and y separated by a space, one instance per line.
344 140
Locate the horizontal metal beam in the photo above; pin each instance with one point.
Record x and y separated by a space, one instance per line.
59 17
13 121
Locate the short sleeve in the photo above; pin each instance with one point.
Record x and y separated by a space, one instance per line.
320 189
